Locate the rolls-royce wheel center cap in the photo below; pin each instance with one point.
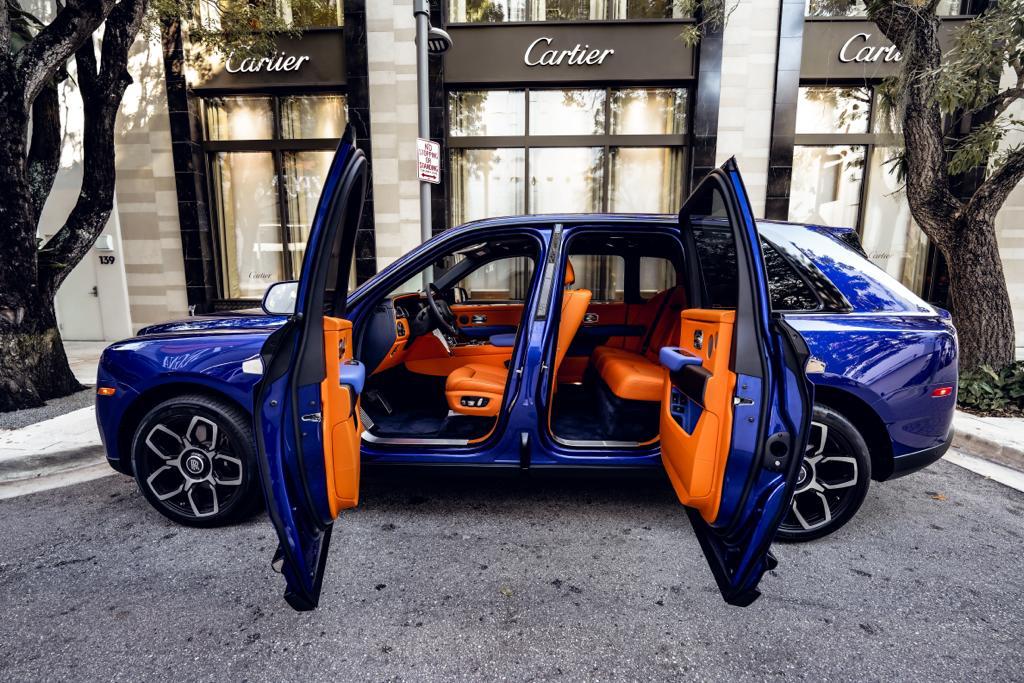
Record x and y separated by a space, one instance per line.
195 464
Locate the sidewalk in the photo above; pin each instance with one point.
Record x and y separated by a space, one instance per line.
59 451
998 439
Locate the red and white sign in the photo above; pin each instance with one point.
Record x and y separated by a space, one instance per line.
428 161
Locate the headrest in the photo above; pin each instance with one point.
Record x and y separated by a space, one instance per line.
570 274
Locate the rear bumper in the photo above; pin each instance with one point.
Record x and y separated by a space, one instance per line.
912 462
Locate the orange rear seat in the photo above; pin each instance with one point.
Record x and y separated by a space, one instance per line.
638 376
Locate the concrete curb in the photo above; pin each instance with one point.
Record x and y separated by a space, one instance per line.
998 439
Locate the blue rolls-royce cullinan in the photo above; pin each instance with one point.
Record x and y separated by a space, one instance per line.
770 368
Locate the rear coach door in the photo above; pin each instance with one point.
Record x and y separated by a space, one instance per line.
736 408
305 406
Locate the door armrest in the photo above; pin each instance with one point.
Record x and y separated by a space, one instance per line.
503 340
675 358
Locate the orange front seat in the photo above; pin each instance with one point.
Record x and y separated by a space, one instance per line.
477 389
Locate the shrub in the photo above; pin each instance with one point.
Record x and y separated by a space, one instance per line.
987 390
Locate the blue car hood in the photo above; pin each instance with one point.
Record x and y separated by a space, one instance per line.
226 322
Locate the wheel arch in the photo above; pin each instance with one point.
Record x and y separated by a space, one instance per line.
870 425
158 394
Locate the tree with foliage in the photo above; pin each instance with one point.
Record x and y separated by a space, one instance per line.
34 59
957 113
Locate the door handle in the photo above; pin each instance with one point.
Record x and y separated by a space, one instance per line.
478 319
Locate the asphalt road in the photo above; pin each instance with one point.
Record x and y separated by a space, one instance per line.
495 577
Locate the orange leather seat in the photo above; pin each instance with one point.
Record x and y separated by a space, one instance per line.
477 389
638 376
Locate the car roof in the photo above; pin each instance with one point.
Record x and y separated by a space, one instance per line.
625 219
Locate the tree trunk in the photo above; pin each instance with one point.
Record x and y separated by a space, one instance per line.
33 365
979 298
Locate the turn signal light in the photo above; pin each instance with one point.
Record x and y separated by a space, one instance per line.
105 391
942 392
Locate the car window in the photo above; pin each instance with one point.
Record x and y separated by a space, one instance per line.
788 291
602 274
716 251
506 279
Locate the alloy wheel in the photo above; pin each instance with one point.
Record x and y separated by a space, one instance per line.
191 464
827 484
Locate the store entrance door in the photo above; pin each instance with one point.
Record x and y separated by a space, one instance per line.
79 316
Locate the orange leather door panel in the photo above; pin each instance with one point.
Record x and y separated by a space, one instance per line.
340 420
695 462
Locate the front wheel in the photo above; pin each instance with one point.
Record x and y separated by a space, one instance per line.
833 480
194 461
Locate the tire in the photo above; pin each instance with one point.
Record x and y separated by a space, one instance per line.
194 459
834 479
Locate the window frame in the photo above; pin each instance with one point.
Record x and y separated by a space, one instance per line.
607 141
278 146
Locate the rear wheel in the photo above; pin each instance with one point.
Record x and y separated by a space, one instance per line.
194 461
833 480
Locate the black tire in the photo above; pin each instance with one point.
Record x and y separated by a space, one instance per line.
834 479
175 445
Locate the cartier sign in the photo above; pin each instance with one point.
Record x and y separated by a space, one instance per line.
316 58
578 53
855 48
858 49
281 61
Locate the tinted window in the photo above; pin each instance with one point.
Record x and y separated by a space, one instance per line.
787 289
717 253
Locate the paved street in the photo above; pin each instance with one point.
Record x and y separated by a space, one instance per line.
493 577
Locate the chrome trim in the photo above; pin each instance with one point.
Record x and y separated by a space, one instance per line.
582 443
406 441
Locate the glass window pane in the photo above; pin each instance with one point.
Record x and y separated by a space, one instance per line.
602 274
486 11
313 13
647 9
787 290
567 112
646 180
648 111
716 251
487 182
313 116
239 118
826 185
304 174
567 10
503 280
246 206
833 110
890 237
656 275
487 112
566 179
858 8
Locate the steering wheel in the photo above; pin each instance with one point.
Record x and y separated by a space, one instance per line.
439 309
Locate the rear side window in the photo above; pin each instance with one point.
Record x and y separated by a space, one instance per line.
656 275
788 291
717 253
602 274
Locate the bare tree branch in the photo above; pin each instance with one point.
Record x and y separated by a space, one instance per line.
44 154
39 60
102 91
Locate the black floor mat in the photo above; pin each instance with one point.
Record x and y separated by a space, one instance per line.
579 415
418 409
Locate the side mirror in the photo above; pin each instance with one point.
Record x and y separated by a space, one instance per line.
279 299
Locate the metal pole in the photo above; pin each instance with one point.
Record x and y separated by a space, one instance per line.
421 10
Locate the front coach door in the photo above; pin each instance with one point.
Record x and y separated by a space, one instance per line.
736 407
306 406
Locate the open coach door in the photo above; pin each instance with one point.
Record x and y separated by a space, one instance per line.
737 406
305 406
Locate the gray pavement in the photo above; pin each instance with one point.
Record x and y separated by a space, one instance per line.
488 576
